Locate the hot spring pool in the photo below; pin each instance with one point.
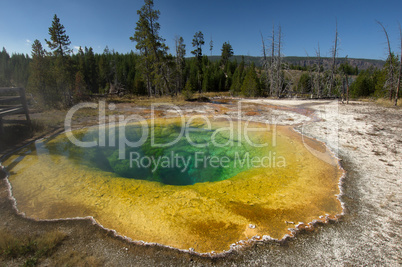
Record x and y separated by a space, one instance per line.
201 187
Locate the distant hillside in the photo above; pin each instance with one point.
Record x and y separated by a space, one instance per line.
362 64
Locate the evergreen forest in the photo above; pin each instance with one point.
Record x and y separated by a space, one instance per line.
54 76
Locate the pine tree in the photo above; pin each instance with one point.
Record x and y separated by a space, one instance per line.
251 85
198 42
152 48
79 87
104 67
36 81
385 84
180 62
364 84
59 41
41 82
211 46
227 52
304 84
238 78
188 90
4 68
91 73
81 60
62 70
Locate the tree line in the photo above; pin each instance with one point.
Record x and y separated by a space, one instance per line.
60 78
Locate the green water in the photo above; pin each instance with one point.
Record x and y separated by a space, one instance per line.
190 158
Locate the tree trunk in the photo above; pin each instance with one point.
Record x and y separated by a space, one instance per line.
399 85
272 85
343 90
347 89
334 52
319 89
278 70
346 80
265 60
400 69
391 66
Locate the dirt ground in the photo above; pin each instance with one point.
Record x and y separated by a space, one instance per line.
365 136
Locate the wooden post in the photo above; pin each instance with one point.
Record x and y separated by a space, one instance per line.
24 104
1 126
10 109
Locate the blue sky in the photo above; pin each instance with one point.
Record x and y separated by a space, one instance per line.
304 24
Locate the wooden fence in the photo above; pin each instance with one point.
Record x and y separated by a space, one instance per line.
13 101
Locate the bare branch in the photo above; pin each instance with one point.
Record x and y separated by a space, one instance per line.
386 35
390 80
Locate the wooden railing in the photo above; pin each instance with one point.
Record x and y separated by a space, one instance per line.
12 101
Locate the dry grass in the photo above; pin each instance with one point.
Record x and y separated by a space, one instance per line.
147 101
366 99
88 112
214 94
176 100
31 249
49 241
388 104
9 244
384 102
34 249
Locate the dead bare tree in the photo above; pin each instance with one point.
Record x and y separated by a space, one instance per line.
390 80
271 66
279 73
264 50
400 68
334 53
317 76
265 63
275 68
275 74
